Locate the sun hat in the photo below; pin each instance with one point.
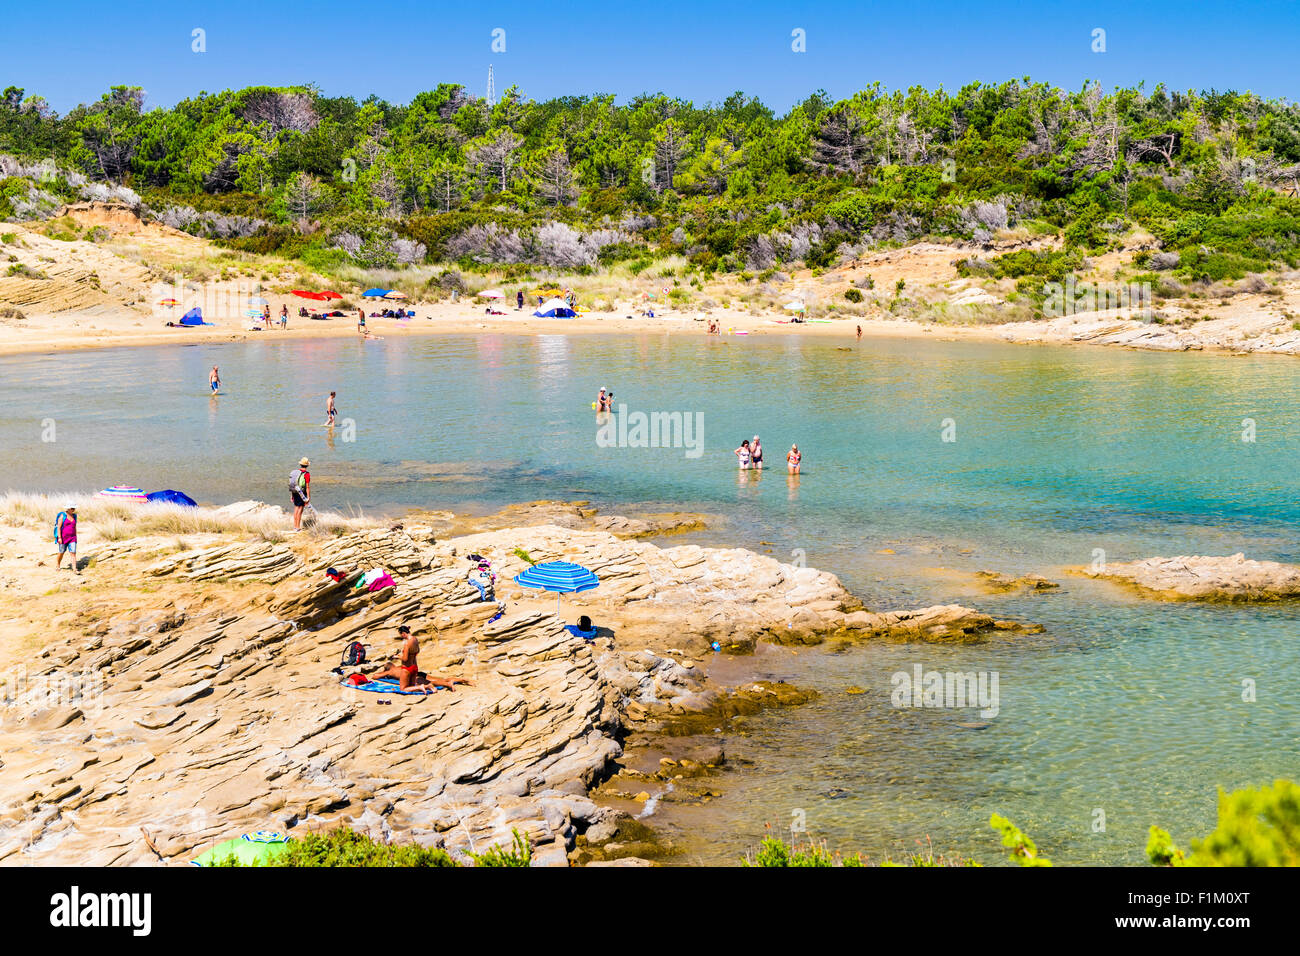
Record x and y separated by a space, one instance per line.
303 463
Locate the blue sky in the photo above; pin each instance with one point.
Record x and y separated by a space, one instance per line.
70 51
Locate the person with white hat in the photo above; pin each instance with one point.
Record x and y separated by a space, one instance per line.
756 454
300 491
65 536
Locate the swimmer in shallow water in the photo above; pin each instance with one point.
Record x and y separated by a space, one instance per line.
743 454
793 459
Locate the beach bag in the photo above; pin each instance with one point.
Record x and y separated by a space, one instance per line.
354 654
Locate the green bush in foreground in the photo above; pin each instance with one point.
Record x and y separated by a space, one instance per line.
344 847
1256 828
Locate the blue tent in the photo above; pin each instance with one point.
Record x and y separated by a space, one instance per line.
193 317
376 293
562 577
170 497
554 309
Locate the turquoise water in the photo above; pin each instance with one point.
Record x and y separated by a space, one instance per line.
1122 705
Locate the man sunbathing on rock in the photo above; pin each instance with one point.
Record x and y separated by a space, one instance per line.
407 668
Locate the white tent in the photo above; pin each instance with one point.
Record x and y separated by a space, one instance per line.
554 309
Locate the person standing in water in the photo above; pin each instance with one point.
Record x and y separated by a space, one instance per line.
793 459
330 410
859 333
743 455
214 380
756 454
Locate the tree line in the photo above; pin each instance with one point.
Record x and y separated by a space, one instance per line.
1212 175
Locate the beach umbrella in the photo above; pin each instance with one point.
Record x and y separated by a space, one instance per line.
170 497
795 306
260 848
376 293
562 577
395 295
123 493
317 296
492 294
330 295
258 300
170 303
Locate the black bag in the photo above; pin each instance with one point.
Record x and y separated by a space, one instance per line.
354 654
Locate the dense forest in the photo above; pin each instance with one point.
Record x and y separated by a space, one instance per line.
583 181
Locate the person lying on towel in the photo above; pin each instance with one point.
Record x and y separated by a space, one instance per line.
406 668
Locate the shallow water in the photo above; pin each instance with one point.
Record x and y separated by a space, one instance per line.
1127 706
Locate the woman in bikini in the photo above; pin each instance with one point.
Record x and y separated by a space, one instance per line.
793 459
743 455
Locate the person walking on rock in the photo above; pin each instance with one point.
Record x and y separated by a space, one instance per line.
65 536
300 491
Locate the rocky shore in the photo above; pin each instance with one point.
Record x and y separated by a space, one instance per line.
1232 578
197 700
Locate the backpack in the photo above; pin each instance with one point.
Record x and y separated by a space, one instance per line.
354 654
295 477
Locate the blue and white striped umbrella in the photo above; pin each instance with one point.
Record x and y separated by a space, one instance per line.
562 577
123 493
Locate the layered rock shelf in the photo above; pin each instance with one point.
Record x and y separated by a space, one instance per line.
158 731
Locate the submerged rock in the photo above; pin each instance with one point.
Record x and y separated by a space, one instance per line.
1199 578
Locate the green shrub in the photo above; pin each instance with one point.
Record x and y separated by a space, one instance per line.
520 853
853 295
1023 849
26 272
1255 828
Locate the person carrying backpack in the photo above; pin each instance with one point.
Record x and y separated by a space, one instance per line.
300 491
65 536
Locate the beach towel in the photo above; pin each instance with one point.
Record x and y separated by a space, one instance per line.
384 685
578 632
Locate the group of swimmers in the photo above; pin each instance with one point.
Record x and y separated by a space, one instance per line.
750 455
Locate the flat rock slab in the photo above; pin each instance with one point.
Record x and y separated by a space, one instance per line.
1200 578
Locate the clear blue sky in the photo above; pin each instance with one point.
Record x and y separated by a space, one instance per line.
70 51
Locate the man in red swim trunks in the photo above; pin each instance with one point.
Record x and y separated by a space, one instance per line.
407 668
